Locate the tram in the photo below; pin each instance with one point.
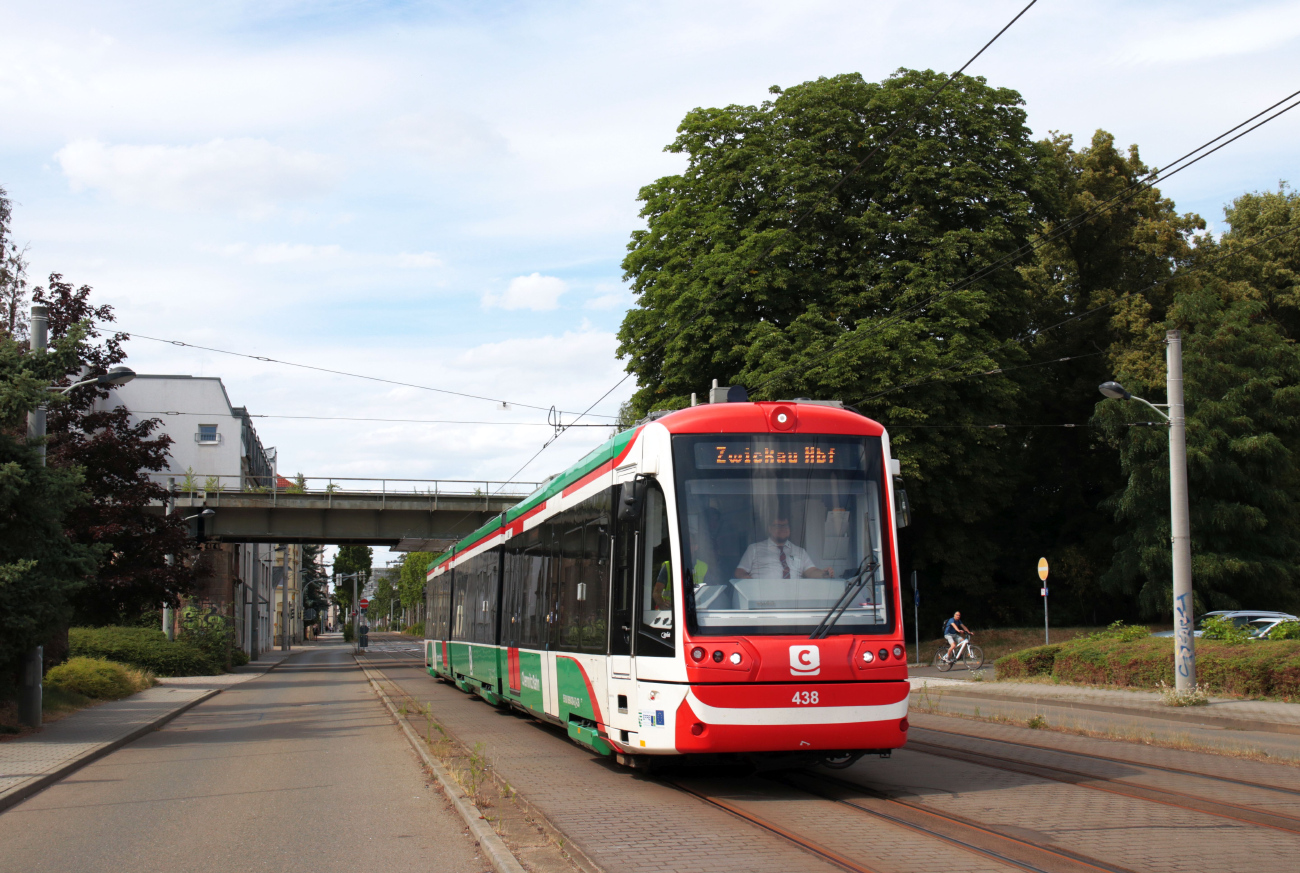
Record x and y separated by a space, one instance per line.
721 580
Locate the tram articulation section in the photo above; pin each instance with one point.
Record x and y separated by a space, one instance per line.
721 581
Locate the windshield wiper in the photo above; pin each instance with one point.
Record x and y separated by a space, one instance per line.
866 571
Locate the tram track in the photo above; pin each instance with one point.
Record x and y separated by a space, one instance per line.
1181 771
1241 813
987 842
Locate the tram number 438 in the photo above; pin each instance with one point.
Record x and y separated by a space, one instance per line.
805 698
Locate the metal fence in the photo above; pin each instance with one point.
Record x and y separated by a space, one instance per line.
345 485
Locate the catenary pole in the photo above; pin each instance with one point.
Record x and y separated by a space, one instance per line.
30 696
916 616
356 617
1181 532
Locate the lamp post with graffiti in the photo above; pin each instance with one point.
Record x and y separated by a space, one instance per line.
1180 515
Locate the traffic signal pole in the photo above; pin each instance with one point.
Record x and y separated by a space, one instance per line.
31 693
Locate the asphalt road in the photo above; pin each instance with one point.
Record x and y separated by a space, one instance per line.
300 769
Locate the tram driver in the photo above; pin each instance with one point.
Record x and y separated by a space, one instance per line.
778 558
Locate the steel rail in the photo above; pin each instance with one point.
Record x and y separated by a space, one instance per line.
1113 760
805 844
1035 858
1177 799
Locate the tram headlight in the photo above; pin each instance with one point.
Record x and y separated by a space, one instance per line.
735 658
867 657
698 653
883 654
898 652
717 656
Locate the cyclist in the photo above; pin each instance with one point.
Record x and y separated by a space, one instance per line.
951 628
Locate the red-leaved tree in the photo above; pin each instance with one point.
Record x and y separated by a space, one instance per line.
121 509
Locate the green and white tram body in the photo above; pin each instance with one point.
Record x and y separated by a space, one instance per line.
720 581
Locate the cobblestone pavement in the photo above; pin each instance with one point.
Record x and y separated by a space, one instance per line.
1127 832
1094 709
620 819
295 769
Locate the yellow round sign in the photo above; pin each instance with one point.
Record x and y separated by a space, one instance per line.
1042 569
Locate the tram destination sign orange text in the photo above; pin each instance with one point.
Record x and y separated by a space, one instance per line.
717 454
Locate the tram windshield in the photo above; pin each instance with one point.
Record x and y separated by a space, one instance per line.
777 529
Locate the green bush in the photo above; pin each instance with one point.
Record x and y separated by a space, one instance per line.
1287 630
1216 627
239 657
415 630
1122 632
98 678
148 648
348 634
1037 661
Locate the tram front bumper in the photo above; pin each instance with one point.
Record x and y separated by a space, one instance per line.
792 717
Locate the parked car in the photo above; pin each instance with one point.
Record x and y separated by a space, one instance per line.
1262 621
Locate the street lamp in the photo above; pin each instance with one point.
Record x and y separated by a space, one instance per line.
33 669
1179 512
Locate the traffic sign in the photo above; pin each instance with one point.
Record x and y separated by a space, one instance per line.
1042 569
365 603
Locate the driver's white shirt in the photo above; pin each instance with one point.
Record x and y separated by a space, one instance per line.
763 560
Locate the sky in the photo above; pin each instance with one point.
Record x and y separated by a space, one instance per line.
441 193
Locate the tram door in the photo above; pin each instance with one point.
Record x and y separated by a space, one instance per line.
622 670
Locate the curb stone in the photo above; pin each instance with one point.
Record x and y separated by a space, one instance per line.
498 853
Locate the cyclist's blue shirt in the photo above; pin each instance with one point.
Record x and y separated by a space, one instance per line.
950 626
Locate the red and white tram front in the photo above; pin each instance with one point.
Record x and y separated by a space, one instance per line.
780 560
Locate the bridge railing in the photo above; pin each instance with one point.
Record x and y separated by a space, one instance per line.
193 483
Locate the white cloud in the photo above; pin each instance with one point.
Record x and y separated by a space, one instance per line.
447 135
536 292
421 261
283 253
609 297
250 175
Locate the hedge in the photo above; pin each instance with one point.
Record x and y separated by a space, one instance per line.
142 647
1261 668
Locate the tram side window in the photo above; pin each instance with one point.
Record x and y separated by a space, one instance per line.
583 534
481 597
655 630
439 606
459 618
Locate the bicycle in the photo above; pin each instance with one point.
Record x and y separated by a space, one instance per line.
971 655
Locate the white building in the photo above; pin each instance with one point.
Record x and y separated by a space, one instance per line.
215 447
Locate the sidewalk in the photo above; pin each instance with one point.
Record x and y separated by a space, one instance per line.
34 762
1229 724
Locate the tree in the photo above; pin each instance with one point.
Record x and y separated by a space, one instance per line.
385 594
351 559
13 277
1242 386
412 577
856 299
119 514
40 568
315 583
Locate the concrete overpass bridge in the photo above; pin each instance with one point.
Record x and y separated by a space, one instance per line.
404 514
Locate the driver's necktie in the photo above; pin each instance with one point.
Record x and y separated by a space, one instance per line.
785 568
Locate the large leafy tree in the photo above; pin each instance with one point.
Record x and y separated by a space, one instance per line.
119 515
40 567
796 257
1242 387
315 583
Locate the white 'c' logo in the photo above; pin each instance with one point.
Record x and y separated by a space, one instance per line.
805 660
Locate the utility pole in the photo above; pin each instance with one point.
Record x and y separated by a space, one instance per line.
284 600
356 617
1180 519
30 696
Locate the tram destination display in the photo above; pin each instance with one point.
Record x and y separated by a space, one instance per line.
807 454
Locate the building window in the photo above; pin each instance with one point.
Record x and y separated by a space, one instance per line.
207 433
